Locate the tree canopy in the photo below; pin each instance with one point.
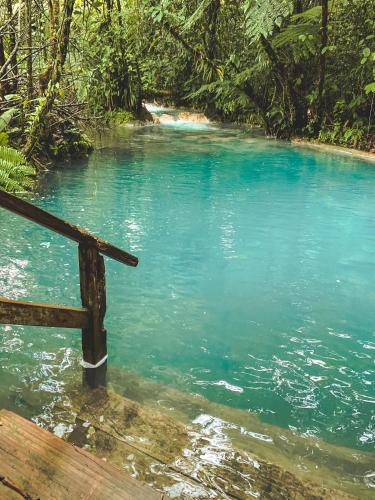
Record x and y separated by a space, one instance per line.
295 67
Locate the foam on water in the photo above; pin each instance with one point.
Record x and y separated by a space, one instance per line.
155 108
185 124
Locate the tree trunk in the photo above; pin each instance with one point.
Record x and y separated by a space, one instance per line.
322 65
297 72
259 103
38 126
109 4
139 91
3 85
211 33
12 47
29 43
54 17
283 83
197 54
211 48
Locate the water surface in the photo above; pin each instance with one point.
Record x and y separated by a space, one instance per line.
256 282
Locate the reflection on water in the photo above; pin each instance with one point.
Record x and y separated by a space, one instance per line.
255 289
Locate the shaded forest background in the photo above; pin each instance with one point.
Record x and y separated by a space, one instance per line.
294 67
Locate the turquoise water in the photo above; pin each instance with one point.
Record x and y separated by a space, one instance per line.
256 282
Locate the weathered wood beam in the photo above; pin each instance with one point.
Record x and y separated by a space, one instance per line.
35 214
14 312
92 281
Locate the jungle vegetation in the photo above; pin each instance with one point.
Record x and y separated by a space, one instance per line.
294 67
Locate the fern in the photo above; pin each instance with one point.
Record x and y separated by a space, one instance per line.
197 14
15 173
302 26
261 16
228 97
249 73
309 15
301 35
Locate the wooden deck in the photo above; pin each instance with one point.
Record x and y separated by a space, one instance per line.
35 464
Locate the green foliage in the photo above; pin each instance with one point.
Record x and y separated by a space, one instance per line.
352 137
266 63
15 173
6 117
301 36
112 76
66 142
370 88
262 16
254 61
119 117
229 99
196 15
4 139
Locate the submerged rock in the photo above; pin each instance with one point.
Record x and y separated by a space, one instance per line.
189 447
175 116
166 118
185 461
189 116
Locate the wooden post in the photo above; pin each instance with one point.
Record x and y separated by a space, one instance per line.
92 281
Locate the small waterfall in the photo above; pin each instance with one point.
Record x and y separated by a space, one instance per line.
155 109
172 117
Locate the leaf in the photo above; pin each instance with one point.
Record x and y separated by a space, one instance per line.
12 97
15 173
261 16
6 117
370 88
366 52
197 14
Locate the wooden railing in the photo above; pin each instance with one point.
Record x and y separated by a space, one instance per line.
90 317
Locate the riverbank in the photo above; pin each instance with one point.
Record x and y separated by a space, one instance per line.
331 148
174 116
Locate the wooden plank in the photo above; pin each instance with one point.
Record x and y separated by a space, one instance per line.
14 312
41 465
92 282
35 214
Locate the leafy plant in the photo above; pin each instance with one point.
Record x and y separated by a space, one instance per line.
6 117
15 173
262 16
301 35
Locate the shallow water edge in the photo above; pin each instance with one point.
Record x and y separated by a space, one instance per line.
334 149
190 447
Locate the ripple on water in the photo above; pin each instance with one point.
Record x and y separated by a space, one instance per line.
255 285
